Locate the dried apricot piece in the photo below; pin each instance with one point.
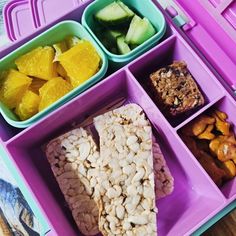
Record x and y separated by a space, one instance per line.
226 151
38 63
222 125
52 91
207 133
80 62
28 106
13 87
229 168
200 124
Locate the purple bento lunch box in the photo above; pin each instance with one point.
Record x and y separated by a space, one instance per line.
206 42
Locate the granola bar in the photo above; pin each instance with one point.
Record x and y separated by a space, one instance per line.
174 89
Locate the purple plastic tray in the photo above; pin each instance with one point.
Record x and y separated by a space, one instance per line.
195 199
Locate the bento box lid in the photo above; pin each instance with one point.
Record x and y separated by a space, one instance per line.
18 19
211 25
45 11
22 17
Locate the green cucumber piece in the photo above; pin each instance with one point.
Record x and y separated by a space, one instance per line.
126 8
133 25
114 34
140 30
112 14
122 46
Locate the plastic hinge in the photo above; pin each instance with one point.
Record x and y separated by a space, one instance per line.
178 20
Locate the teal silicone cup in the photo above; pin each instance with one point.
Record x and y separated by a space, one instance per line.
49 37
144 8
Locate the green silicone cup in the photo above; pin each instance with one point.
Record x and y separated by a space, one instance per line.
145 8
49 37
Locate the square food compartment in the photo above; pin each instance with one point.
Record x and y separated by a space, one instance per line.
144 8
49 37
228 106
175 49
193 191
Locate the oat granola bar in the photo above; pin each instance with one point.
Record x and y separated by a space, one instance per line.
174 89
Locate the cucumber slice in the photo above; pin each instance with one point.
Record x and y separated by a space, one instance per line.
140 30
114 34
126 8
113 14
133 25
122 46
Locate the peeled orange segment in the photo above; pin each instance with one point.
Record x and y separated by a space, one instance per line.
71 41
61 71
38 63
80 62
59 48
36 85
52 91
13 87
28 106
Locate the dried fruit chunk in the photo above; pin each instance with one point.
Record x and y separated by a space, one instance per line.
223 116
80 62
38 63
200 124
221 125
28 105
70 157
52 91
208 163
207 133
13 87
226 151
229 168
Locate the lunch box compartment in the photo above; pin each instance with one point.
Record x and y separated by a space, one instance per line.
144 8
227 105
192 188
51 36
174 48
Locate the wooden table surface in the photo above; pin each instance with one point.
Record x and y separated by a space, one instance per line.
225 227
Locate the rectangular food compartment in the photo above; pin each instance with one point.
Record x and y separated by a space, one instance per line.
193 192
194 199
144 9
226 105
51 36
175 49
